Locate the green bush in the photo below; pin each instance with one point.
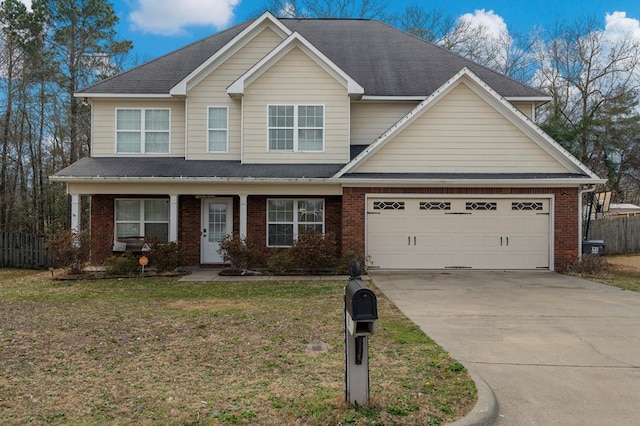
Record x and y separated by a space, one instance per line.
281 262
69 249
167 256
315 252
124 264
239 252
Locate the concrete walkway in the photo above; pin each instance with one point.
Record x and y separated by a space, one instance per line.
555 350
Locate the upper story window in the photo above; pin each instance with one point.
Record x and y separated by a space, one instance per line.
297 128
142 130
218 122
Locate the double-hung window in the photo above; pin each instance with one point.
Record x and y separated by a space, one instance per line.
296 128
142 218
287 218
217 124
142 130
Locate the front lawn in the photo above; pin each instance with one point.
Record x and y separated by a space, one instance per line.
158 351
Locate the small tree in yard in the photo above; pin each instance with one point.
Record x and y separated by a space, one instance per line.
239 252
69 249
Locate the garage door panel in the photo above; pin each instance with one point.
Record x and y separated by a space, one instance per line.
480 233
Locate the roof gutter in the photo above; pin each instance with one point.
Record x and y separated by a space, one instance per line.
581 193
564 182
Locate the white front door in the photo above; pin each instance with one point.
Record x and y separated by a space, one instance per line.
217 221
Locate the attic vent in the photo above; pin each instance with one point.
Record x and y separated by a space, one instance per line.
435 205
481 205
526 206
388 205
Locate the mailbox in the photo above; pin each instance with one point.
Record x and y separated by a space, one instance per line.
362 308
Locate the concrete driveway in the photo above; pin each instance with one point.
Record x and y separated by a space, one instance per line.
555 350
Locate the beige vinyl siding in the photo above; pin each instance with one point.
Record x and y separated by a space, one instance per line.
296 79
212 91
370 119
103 130
461 133
525 107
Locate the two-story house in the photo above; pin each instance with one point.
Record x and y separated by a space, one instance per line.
405 151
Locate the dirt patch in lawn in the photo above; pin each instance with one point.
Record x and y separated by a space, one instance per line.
159 351
629 262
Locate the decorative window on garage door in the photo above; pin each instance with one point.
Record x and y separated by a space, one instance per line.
481 206
388 205
527 206
435 205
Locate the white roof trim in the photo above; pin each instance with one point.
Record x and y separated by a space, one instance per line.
266 18
552 147
236 89
123 95
494 183
529 98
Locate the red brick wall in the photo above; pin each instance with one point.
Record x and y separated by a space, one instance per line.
102 223
566 236
189 222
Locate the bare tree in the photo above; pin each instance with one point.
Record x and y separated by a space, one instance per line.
362 9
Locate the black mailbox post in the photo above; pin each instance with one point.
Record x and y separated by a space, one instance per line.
360 315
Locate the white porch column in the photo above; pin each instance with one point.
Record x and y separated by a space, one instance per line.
243 215
75 212
173 217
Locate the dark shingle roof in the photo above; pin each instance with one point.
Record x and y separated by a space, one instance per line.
171 167
382 59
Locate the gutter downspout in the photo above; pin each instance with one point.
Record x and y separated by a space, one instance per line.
581 213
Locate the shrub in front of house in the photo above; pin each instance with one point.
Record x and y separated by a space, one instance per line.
315 252
239 252
124 264
167 256
589 265
69 249
281 262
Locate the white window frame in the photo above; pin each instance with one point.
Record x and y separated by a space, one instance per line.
141 220
295 223
296 128
143 131
226 129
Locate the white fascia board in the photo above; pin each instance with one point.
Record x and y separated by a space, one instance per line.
236 89
238 41
524 123
529 98
123 95
402 123
475 183
374 98
484 90
185 179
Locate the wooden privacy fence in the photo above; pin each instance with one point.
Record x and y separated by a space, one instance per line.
18 250
620 233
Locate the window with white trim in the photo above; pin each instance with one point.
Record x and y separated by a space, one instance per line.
143 130
287 218
217 125
142 218
297 128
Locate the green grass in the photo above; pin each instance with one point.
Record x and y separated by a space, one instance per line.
159 351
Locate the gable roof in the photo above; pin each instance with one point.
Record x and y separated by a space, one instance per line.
382 59
294 40
537 135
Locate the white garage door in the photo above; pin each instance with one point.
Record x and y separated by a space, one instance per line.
481 233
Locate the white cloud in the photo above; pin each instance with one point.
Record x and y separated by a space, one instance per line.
170 17
618 26
493 23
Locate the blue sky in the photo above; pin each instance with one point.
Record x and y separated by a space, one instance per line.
160 26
